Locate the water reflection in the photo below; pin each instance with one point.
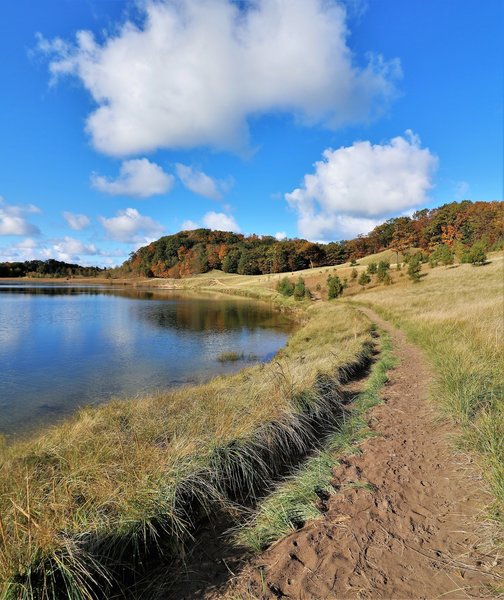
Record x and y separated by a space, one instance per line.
64 346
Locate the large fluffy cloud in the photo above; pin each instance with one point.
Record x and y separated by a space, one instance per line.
130 226
201 183
139 178
354 187
13 220
193 71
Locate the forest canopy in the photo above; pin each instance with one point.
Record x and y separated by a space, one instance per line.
457 226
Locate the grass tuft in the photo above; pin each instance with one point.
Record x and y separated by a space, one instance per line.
297 499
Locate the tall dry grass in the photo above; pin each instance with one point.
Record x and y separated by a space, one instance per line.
297 499
90 498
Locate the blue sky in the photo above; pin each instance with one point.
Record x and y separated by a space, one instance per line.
298 118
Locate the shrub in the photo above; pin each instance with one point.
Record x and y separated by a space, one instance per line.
441 254
354 274
476 255
414 267
334 287
364 279
353 262
382 270
387 280
285 287
300 290
372 268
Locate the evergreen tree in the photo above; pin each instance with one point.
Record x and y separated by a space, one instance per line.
414 267
382 270
300 289
364 279
477 254
334 287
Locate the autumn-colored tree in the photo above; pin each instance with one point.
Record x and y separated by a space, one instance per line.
449 235
404 236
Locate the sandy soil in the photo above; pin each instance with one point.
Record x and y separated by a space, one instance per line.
404 521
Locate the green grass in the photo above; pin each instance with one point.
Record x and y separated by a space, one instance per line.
90 497
296 500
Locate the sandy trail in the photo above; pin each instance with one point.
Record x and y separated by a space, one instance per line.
403 523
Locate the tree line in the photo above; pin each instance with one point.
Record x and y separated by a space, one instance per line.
455 227
47 268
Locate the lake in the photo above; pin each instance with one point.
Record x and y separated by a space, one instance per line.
65 346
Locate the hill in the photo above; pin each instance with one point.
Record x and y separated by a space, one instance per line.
457 226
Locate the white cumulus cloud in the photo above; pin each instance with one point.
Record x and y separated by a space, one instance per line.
220 221
280 235
138 178
354 187
189 225
130 226
13 221
201 183
71 248
192 72
75 221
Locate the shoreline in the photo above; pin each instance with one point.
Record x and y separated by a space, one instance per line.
208 293
259 407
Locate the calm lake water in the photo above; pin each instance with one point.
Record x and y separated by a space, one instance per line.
63 347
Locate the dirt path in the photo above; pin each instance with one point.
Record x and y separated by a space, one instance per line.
404 521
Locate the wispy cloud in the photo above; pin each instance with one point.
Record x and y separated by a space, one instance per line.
13 221
138 178
75 221
200 183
